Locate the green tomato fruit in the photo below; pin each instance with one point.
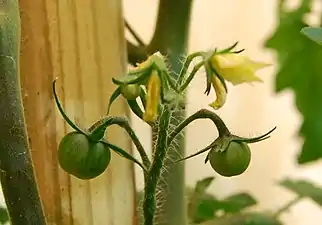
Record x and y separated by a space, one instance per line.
81 157
131 91
231 162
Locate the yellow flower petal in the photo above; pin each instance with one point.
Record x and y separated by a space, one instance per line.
236 68
152 97
220 93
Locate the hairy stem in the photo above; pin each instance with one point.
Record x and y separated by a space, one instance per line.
124 123
16 170
171 39
149 204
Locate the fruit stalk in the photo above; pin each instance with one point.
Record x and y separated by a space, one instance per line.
201 114
16 169
149 203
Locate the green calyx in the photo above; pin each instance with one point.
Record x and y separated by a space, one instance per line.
229 154
140 74
135 86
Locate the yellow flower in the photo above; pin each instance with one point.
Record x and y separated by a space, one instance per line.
220 93
236 68
152 97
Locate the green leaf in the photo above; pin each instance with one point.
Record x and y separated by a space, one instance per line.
203 184
138 77
124 154
204 206
238 202
300 69
304 188
206 209
113 97
201 205
314 33
136 109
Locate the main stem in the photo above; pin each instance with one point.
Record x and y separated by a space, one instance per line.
16 170
149 204
171 38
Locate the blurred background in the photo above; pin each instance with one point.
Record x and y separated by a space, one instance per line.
250 109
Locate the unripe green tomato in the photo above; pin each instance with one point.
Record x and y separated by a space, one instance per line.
231 162
79 156
130 91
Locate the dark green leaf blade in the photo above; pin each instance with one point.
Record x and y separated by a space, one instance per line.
237 202
201 205
206 209
113 97
124 154
300 69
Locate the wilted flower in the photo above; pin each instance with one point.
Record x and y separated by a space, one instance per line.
152 97
220 93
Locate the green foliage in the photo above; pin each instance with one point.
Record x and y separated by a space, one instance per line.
203 206
300 70
304 188
206 209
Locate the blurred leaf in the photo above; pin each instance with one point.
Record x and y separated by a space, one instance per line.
206 208
203 184
4 217
236 203
300 69
245 219
304 188
201 205
314 33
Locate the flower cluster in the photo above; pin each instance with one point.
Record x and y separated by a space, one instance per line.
150 80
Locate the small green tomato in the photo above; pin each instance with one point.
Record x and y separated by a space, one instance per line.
81 157
130 91
231 162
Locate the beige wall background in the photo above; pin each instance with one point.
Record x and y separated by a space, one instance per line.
250 110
